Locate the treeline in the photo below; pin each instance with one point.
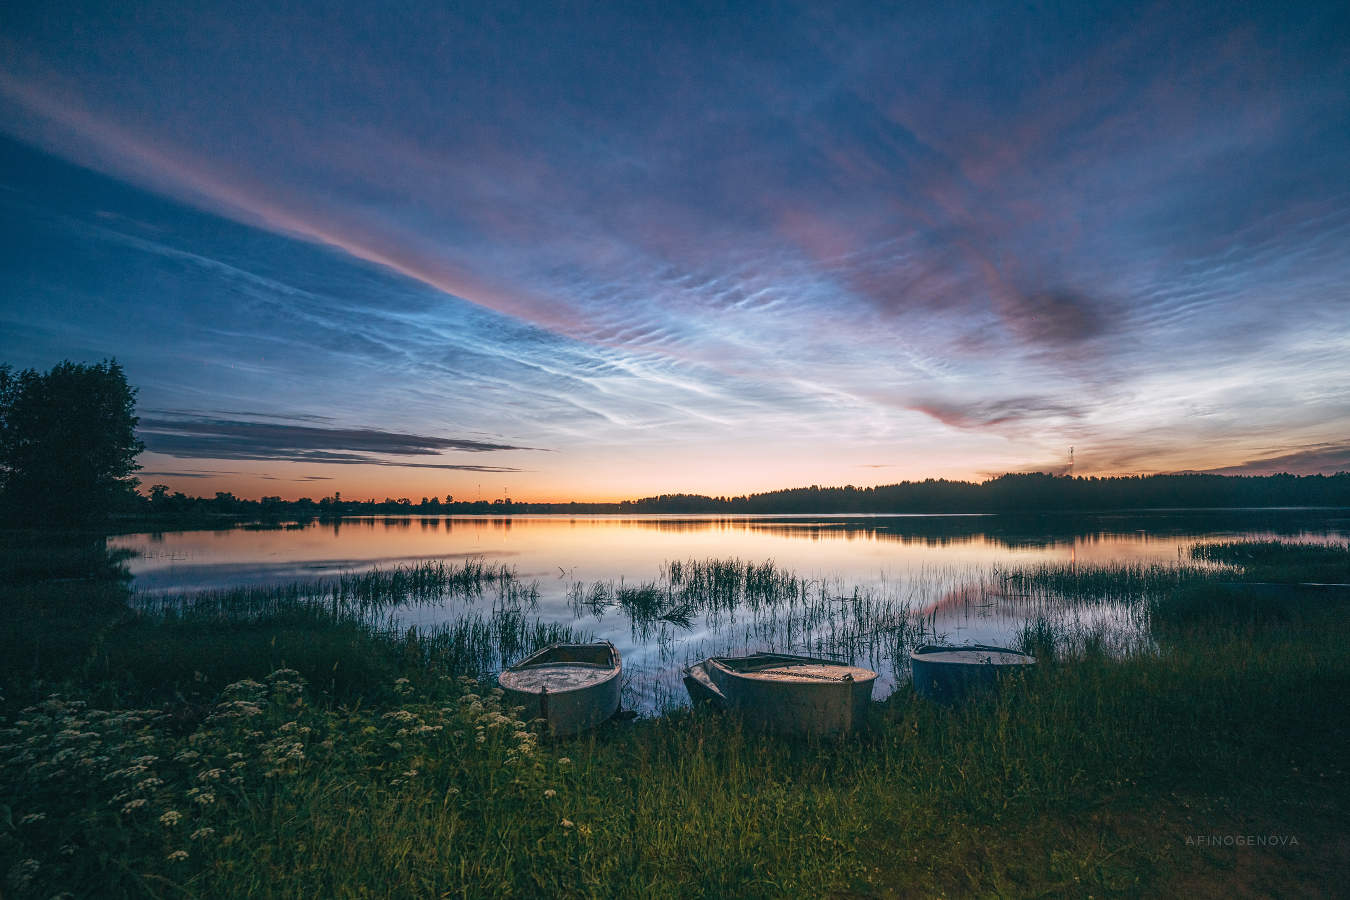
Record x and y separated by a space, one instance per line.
1035 492
163 505
1006 494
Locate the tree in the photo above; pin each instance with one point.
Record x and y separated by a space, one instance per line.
67 442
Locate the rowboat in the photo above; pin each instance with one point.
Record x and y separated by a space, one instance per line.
572 687
784 693
946 673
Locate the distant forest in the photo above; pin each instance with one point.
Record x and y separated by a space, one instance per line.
1035 492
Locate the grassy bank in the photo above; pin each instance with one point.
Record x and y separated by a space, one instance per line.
286 745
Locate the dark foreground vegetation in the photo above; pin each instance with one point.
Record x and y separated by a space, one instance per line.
283 742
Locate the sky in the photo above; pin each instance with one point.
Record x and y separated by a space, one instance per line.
596 251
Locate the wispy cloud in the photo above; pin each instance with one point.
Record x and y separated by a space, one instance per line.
189 437
991 413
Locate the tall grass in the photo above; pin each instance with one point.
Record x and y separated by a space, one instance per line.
363 593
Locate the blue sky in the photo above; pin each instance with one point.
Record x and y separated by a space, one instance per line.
599 251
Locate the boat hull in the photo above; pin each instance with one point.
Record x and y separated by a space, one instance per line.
785 694
572 687
947 674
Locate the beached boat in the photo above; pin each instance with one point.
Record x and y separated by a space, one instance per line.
571 686
947 673
784 693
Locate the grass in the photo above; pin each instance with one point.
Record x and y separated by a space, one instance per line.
405 778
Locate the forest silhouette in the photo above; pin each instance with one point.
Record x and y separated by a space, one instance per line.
1013 493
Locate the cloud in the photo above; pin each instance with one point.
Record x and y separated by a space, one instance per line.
989 413
192 437
1058 317
1320 459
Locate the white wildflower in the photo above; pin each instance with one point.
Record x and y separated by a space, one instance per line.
177 856
170 818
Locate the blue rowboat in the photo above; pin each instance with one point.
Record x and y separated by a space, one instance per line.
947 673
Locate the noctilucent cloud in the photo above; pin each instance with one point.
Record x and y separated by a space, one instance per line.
604 250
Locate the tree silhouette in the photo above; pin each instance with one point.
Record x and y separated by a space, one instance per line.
67 442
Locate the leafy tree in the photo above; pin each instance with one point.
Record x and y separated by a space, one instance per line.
67 442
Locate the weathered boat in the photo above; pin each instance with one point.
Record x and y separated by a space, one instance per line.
784 693
948 673
570 686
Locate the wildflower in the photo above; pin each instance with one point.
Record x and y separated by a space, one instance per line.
411 773
132 805
203 833
177 856
550 794
206 798
564 761
170 818
566 823
147 784
210 775
24 872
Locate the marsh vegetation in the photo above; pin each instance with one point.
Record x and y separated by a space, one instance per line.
297 739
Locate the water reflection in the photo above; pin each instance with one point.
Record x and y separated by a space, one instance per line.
866 588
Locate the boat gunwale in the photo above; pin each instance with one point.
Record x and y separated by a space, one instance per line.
718 661
922 654
613 669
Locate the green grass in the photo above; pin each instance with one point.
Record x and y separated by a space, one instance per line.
1084 778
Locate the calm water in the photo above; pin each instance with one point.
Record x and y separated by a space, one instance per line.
867 573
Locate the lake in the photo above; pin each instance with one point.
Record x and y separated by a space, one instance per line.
865 587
